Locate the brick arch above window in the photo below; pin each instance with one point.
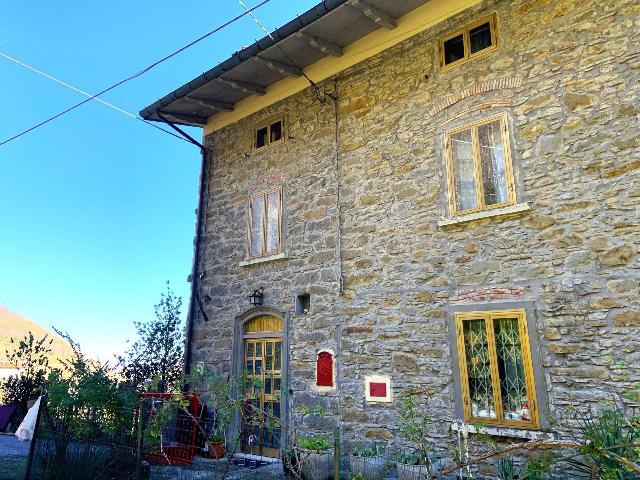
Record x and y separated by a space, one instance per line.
475 89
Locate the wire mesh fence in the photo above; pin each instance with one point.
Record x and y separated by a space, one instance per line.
167 437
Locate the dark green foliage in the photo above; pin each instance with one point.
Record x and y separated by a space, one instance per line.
366 452
539 468
87 423
414 427
316 444
611 446
86 399
158 353
506 469
31 357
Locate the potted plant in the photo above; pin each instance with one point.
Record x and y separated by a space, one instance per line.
216 446
316 458
414 423
370 462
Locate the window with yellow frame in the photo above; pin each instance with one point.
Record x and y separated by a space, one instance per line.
472 41
479 167
269 132
496 372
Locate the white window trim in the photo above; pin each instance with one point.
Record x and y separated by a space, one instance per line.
495 212
265 259
507 432
377 379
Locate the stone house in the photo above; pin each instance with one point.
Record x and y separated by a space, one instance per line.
438 197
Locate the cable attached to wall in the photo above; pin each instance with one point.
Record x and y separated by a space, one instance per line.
334 97
320 94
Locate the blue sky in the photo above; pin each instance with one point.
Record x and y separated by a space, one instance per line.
97 209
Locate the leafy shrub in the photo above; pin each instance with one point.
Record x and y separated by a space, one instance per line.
374 451
316 444
31 357
611 446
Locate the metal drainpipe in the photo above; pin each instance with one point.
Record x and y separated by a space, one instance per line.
196 248
194 266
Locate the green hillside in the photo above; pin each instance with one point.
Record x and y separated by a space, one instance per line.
17 326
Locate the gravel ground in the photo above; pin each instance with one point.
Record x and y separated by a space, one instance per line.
10 446
13 457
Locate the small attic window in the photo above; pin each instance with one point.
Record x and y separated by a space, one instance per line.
473 40
454 49
480 37
269 132
275 131
261 137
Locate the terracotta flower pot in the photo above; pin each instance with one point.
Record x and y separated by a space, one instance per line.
216 449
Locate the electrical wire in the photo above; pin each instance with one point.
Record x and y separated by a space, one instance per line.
135 75
110 105
277 44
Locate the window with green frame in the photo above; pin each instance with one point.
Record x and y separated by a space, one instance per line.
496 372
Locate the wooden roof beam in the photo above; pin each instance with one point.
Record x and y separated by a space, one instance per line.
282 68
324 46
243 86
374 14
183 118
210 104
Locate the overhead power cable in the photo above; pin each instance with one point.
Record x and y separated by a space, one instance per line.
313 84
110 105
136 75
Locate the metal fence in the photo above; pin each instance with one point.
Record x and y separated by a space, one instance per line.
172 440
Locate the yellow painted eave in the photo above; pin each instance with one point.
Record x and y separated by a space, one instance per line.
408 25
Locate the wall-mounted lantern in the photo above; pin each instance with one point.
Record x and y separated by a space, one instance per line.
257 297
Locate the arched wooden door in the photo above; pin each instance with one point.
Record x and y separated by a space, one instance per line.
263 386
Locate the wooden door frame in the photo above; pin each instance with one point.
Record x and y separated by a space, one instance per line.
238 361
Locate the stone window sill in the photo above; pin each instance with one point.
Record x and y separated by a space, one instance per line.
496 212
507 432
268 258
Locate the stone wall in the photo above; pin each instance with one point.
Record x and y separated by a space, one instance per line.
567 73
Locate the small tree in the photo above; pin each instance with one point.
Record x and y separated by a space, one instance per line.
31 358
158 352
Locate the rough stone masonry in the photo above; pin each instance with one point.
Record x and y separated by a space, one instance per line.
567 74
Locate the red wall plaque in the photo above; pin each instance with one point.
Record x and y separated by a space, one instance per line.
377 390
324 370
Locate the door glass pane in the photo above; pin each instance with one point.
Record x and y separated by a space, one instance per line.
480 37
259 349
513 386
268 363
273 221
478 368
258 366
249 349
269 348
250 367
257 215
453 49
277 384
494 176
463 170
268 384
278 356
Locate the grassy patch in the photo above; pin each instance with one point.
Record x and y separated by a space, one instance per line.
12 468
